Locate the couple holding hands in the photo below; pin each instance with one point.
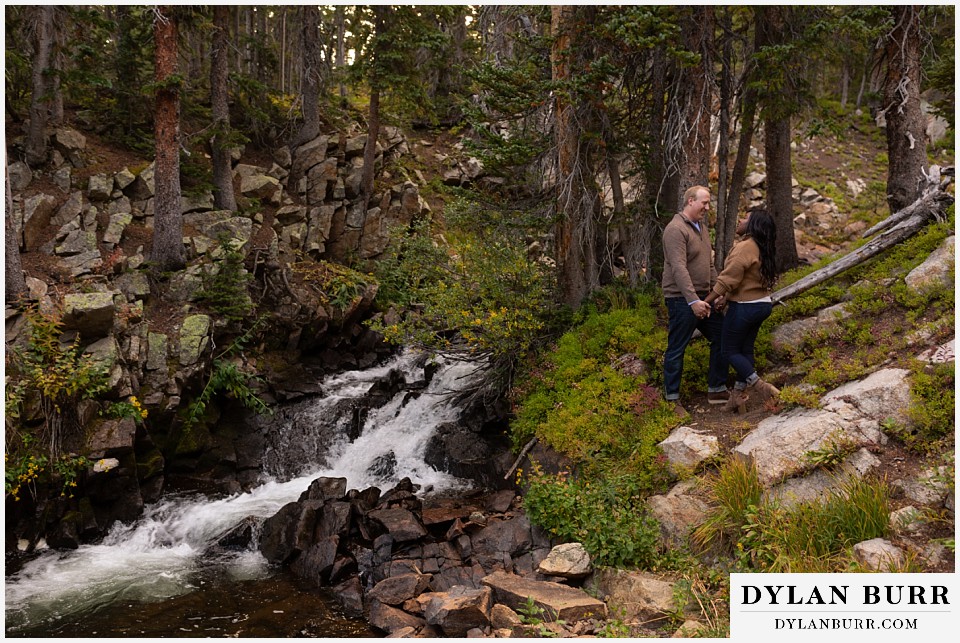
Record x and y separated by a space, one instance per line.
695 295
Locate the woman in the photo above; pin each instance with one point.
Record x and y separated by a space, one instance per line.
746 283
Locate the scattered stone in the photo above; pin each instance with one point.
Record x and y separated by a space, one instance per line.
460 609
91 314
558 602
639 596
569 560
937 270
193 338
677 512
20 176
879 555
686 447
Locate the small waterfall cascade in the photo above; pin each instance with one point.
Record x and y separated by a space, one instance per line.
171 549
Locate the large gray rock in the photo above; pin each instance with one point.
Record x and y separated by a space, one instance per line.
20 175
143 186
194 336
91 314
99 187
569 560
111 437
677 512
852 412
558 602
37 213
686 447
790 336
71 209
71 144
937 270
879 555
821 482
114 232
307 155
265 188
638 596
83 263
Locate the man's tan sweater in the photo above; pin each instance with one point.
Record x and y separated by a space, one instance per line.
740 279
688 270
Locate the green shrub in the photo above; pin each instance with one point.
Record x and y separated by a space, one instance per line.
606 516
933 401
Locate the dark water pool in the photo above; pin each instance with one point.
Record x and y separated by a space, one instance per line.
281 606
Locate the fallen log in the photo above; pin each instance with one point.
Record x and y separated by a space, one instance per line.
905 224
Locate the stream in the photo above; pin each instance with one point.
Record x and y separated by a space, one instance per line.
164 575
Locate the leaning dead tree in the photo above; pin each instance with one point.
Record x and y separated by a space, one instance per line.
900 226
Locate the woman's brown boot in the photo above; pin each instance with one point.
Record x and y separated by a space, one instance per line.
765 390
736 402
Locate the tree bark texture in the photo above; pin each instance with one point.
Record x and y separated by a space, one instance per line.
373 113
223 196
577 198
15 285
36 143
906 138
696 85
777 133
310 92
167 253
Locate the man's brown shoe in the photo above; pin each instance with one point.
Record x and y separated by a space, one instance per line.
720 397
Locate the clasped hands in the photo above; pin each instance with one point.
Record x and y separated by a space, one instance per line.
702 309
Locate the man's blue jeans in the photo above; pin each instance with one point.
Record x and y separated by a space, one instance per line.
680 330
740 327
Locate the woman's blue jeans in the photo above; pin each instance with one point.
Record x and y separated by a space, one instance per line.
740 327
682 323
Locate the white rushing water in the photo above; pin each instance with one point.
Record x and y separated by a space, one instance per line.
162 554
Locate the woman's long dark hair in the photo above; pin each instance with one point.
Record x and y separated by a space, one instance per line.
763 230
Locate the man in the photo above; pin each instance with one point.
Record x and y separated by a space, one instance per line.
688 276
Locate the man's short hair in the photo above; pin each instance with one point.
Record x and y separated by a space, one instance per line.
691 193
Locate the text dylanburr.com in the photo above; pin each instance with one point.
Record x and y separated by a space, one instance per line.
843 607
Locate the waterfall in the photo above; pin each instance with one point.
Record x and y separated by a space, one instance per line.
165 552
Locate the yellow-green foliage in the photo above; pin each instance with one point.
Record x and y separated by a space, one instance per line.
606 515
933 400
579 404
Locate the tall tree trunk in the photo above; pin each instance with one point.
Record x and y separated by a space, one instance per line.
844 84
723 144
167 253
14 283
310 19
739 174
283 49
906 137
771 31
223 197
373 113
697 84
341 55
36 143
57 66
776 154
576 231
